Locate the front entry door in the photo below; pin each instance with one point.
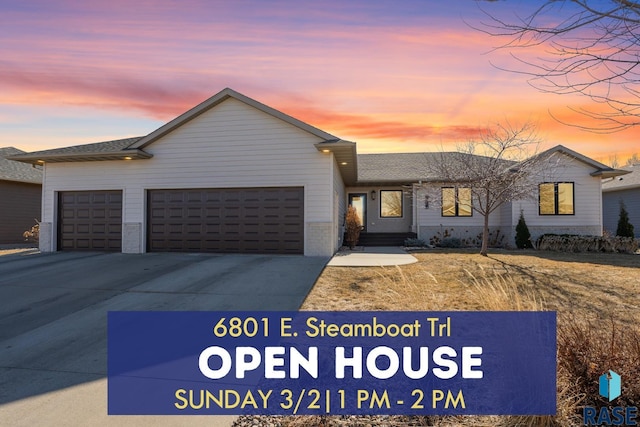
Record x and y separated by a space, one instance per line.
359 202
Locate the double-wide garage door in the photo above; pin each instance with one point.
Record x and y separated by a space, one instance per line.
240 220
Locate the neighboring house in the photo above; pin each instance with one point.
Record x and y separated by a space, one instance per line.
20 196
625 188
234 175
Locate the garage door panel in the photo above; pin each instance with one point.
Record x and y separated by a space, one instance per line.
243 220
90 220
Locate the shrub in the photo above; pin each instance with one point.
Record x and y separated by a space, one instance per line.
588 349
523 236
414 242
32 235
451 242
625 228
354 226
577 243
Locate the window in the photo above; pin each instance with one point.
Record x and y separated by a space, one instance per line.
456 201
390 203
556 198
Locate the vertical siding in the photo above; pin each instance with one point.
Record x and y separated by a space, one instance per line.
19 208
231 145
611 209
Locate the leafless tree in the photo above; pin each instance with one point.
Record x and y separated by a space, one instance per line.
633 160
502 165
591 48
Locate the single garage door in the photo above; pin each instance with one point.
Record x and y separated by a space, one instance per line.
239 220
90 220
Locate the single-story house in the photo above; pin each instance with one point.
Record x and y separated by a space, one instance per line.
235 175
625 188
20 196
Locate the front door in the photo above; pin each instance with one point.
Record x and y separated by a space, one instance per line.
359 202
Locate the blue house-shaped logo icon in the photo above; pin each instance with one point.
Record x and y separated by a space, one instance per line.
610 385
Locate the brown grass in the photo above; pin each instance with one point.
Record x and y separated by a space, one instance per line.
599 285
583 288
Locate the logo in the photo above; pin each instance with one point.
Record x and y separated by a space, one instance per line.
610 385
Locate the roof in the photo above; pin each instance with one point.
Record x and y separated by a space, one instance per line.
218 98
16 171
628 181
601 169
405 167
107 150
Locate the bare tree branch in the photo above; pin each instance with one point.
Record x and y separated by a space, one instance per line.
590 48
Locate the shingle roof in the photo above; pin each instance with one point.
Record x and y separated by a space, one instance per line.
96 147
403 167
17 171
108 150
630 180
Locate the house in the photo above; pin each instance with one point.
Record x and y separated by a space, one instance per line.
625 189
235 175
20 196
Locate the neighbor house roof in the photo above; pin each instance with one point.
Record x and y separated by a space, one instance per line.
15 171
628 181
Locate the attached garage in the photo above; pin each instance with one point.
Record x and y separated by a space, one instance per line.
90 221
231 220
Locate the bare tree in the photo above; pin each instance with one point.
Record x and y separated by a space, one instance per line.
633 160
579 47
502 165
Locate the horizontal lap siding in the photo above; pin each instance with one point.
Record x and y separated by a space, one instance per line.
231 145
19 209
611 209
587 198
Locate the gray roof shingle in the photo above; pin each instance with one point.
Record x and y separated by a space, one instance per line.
96 147
630 180
16 171
403 167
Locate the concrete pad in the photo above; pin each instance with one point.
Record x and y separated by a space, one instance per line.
371 257
86 405
53 321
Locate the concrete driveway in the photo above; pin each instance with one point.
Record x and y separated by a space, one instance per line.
53 320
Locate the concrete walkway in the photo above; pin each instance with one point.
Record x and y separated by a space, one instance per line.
375 256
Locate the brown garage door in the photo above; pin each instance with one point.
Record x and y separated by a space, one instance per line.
246 220
90 220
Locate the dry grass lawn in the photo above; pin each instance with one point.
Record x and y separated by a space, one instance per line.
581 287
580 284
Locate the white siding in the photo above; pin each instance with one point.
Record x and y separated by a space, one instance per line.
231 145
377 224
587 203
340 205
432 224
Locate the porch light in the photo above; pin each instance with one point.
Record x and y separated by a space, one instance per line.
373 194
326 150
344 163
128 158
40 161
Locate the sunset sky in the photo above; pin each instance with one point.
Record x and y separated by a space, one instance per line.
397 75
